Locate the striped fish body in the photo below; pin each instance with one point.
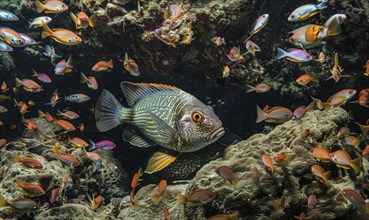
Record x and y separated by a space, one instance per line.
159 115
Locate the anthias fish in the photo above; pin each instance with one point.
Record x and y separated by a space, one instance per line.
159 115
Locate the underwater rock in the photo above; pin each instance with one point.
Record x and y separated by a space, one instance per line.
260 200
147 210
6 65
70 211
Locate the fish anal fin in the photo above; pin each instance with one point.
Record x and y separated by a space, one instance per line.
134 91
159 161
136 138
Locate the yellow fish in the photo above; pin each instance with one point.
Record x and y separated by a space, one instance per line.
61 35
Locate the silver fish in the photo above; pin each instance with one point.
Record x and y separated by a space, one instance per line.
4 47
6 15
77 98
28 40
49 51
159 115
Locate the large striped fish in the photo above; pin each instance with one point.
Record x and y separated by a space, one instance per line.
159 115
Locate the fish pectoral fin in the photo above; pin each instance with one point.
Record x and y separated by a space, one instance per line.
160 160
136 138
168 132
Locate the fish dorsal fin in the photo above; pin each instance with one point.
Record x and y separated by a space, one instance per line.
134 91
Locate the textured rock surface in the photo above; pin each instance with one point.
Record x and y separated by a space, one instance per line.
258 200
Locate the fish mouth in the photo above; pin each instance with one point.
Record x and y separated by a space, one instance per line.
216 134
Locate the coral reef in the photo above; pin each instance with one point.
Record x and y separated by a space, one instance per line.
259 200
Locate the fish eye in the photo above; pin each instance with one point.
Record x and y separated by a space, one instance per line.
76 38
351 91
292 16
197 117
340 17
308 56
263 16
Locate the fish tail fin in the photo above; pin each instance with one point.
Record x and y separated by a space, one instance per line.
322 5
234 216
326 106
3 202
364 129
110 63
46 32
155 199
75 20
35 74
327 176
181 199
235 182
92 145
109 113
281 53
41 114
58 112
92 21
314 77
260 114
39 6
83 78
69 62
30 24
18 82
356 164
249 88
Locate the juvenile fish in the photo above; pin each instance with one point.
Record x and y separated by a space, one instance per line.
63 67
294 55
41 76
102 145
77 98
320 173
259 24
227 174
259 88
37 22
267 161
197 198
277 115
306 11
61 35
161 190
51 7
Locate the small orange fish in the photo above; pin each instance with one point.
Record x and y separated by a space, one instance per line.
23 107
166 213
67 159
61 35
277 115
365 151
255 174
259 88
29 162
4 87
321 154
366 68
134 201
82 20
234 54
305 134
136 178
54 195
321 57
343 160
51 6
267 161
65 125
219 41
81 126
350 141
363 98
46 115
232 216
356 199
103 65
96 202
30 189
196 198
161 190
338 99
91 81
320 173
30 125
312 201
131 66
77 142
68 114
28 85
227 174
282 158
307 78
3 142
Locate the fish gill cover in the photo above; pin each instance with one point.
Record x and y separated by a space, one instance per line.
121 109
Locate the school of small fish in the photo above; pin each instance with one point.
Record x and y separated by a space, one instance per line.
182 123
